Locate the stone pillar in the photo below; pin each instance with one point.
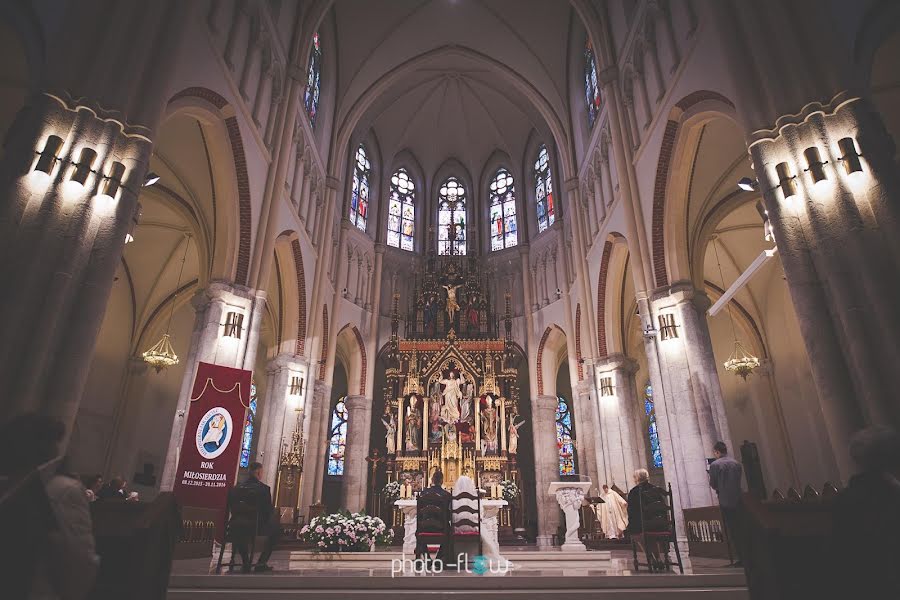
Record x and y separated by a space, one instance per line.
588 440
209 344
277 407
120 451
841 255
546 466
618 416
316 423
359 409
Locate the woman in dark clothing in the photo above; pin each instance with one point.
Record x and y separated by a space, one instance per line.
647 500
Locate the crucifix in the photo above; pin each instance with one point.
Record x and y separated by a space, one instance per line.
374 460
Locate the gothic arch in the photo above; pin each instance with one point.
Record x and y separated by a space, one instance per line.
553 342
301 298
351 350
231 186
323 355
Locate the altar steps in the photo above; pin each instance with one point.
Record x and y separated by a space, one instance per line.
453 587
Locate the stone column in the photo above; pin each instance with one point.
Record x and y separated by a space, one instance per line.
316 423
359 409
299 176
120 451
841 255
628 99
617 420
209 344
588 437
638 76
598 195
546 466
277 406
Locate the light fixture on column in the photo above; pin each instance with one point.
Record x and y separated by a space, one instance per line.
150 179
786 180
667 328
767 225
295 391
850 156
606 387
234 322
82 167
815 166
129 237
740 362
111 182
49 155
650 331
161 354
747 184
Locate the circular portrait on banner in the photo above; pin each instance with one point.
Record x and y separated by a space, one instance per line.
214 432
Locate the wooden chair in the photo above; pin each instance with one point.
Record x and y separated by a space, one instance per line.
810 495
464 516
793 496
777 496
240 526
432 524
658 527
829 492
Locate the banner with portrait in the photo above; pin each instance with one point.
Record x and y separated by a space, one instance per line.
208 462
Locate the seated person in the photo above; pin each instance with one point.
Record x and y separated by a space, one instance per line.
436 488
647 513
464 485
267 523
114 489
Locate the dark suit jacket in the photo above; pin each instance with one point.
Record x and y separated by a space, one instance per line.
263 496
440 491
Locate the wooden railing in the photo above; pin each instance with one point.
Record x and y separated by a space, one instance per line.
706 533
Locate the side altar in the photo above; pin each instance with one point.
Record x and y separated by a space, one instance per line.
452 400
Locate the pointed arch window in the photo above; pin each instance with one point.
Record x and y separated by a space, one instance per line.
359 193
249 425
452 217
504 232
402 211
565 439
313 76
652 429
337 440
543 190
591 88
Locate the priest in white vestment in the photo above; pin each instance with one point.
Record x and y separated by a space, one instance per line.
612 513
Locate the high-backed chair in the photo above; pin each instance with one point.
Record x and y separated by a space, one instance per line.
240 526
432 524
658 527
466 521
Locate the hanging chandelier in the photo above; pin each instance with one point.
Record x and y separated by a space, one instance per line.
740 362
161 355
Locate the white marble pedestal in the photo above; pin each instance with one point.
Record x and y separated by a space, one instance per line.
490 525
570 495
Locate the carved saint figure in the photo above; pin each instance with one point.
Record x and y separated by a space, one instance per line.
390 437
452 395
434 416
452 304
512 440
489 428
413 422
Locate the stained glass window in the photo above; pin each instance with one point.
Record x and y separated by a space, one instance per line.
591 89
452 216
564 439
313 74
249 421
359 193
543 190
504 233
337 441
401 211
652 431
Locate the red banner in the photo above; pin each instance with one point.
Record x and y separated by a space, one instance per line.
208 463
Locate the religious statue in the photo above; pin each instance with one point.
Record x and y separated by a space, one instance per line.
413 422
452 305
465 409
512 440
434 416
452 395
428 315
489 428
390 437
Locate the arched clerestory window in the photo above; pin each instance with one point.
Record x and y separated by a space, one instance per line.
565 439
401 226
504 231
337 440
359 192
543 190
591 87
313 80
452 217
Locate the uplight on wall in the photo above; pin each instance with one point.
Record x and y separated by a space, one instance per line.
111 182
81 168
667 328
295 392
48 156
815 166
233 324
786 180
606 387
850 156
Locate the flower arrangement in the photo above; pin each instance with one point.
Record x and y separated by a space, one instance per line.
391 491
345 532
510 490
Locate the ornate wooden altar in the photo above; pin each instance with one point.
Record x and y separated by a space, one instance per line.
451 401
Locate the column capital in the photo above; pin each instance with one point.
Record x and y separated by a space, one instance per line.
571 184
355 403
608 76
584 387
286 360
680 292
546 403
616 362
333 183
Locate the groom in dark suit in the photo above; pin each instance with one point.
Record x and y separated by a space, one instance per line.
267 525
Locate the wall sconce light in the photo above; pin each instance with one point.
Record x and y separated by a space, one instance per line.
111 183
650 331
82 167
344 292
786 180
49 155
606 387
233 323
849 155
296 388
815 166
558 293
667 328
